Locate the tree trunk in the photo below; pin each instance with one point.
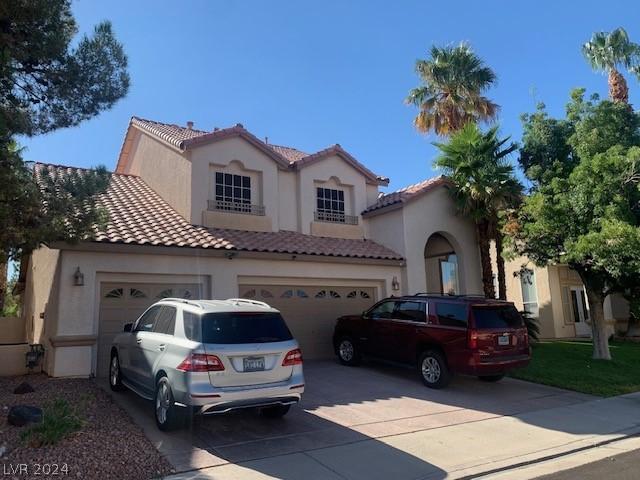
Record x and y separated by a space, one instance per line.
598 327
482 230
618 90
502 278
3 285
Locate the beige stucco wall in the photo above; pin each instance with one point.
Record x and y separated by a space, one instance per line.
37 299
12 330
164 169
434 212
78 313
228 155
333 171
13 360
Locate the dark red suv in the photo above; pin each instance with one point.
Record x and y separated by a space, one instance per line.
440 334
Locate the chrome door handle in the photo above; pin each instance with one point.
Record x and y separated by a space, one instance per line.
161 347
139 341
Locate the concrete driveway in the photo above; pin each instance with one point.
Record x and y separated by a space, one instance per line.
377 421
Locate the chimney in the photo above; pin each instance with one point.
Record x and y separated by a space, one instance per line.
266 140
190 125
215 129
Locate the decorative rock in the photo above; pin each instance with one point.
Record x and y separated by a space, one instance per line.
20 415
24 387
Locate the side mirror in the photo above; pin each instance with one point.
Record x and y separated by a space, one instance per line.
127 327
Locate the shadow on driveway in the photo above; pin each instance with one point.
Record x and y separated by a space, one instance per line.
370 422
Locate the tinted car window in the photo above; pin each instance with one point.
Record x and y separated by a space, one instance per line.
452 314
236 327
382 311
497 317
148 319
411 311
166 320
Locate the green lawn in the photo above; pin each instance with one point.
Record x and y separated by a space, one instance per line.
569 365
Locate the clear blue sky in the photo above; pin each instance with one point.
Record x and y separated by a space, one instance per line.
310 74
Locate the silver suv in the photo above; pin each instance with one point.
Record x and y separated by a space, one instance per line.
208 356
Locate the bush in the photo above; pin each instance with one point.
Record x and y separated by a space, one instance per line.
532 324
59 420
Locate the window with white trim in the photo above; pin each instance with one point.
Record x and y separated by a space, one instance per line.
529 294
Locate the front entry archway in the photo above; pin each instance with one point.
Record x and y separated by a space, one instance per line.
441 262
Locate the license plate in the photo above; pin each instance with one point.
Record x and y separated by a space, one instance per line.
253 364
504 340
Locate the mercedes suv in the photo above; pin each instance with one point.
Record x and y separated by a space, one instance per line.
208 356
440 334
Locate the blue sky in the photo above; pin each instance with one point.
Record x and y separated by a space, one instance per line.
310 74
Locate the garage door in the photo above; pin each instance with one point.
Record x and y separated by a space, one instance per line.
311 311
122 303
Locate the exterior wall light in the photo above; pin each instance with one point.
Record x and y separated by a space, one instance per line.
78 278
395 284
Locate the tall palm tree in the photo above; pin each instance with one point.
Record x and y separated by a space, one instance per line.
608 52
484 184
450 96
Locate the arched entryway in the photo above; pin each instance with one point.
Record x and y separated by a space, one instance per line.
442 265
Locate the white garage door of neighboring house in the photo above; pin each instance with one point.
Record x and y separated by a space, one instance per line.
122 303
311 311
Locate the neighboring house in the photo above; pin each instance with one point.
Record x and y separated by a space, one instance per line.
556 296
220 214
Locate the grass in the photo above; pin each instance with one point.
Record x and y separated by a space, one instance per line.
568 364
59 420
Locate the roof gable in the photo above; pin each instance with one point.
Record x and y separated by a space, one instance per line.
400 197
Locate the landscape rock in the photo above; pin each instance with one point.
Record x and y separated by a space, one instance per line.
24 387
20 415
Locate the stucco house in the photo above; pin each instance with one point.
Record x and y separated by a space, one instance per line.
218 214
556 296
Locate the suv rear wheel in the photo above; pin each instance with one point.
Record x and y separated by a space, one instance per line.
167 414
115 375
348 352
433 369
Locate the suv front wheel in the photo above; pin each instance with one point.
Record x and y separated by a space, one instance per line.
433 369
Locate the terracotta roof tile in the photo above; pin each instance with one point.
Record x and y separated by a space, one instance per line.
139 216
290 153
174 134
407 193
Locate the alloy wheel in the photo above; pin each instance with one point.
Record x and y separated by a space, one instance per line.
346 350
431 369
162 402
114 371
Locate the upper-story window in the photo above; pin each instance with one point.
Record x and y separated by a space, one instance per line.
330 206
233 194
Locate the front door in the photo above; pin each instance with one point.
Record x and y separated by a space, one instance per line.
580 311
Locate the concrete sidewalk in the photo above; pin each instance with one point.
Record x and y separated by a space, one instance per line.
466 450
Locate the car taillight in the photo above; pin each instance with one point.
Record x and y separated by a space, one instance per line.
473 339
201 362
294 357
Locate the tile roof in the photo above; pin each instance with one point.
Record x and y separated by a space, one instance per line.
290 153
139 216
405 194
288 157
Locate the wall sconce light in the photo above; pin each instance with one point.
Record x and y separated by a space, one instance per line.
78 278
395 284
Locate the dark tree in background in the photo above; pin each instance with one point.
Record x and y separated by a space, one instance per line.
45 84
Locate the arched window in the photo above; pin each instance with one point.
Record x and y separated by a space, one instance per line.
287 294
301 294
249 293
136 293
165 293
266 294
327 294
115 293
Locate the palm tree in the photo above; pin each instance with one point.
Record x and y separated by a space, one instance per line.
609 51
453 81
484 184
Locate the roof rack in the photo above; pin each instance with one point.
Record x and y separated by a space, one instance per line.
451 295
183 300
250 302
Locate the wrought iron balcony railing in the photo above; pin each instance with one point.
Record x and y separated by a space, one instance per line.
236 207
335 217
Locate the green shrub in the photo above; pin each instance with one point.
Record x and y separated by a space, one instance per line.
59 420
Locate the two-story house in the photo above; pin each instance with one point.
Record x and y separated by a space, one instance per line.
219 214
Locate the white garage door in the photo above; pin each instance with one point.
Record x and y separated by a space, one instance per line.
122 303
311 311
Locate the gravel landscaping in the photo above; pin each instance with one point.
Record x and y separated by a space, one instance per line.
108 445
